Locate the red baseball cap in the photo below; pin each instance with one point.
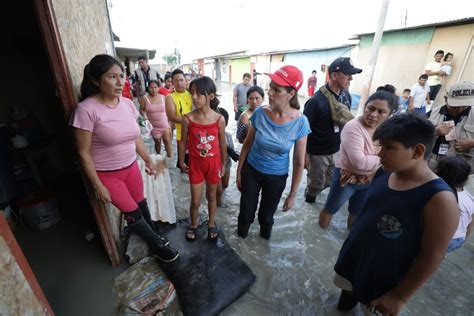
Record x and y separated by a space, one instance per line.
287 76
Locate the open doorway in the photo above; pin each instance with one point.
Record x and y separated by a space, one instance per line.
40 180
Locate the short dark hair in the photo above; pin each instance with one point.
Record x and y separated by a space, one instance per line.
406 90
142 58
246 75
447 55
314 71
439 51
409 129
423 76
167 75
454 170
383 95
255 89
177 71
388 87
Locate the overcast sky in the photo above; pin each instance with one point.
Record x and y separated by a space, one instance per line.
200 28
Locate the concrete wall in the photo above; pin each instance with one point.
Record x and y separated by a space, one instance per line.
239 67
262 65
398 65
400 61
404 54
457 40
209 70
85 32
309 61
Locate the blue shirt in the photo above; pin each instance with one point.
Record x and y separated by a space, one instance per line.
403 103
270 151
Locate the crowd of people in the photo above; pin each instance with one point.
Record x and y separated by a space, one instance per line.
403 174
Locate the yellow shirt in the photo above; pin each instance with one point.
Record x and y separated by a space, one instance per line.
183 103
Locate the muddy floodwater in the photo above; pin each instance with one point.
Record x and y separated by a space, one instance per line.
294 269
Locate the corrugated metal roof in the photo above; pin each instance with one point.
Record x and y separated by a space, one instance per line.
303 50
246 53
462 21
233 54
134 53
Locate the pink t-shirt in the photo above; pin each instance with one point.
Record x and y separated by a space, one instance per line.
114 131
357 153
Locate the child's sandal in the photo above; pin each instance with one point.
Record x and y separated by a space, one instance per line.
191 233
212 233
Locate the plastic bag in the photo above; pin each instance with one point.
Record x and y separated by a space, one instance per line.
145 127
144 289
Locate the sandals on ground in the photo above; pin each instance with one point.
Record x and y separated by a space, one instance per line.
191 233
212 233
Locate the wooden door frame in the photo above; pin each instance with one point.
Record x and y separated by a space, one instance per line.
20 259
65 92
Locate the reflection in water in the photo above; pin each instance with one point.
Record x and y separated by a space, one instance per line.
294 269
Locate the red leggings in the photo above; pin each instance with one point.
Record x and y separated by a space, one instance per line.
125 187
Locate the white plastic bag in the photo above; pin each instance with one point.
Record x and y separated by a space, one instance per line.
145 128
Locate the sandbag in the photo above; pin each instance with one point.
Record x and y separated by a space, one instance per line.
209 275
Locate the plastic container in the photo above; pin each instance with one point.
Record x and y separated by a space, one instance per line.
40 212
19 141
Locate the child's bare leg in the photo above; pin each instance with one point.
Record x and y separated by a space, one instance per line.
219 193
157 145
196 196
211 190
225 179
222 186
167 141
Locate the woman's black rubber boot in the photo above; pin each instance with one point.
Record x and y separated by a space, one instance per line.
143 205
156 245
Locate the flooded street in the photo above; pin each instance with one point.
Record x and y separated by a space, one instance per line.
294 269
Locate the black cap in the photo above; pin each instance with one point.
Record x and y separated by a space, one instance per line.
344 65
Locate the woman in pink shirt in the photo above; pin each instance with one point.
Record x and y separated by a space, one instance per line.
358 159
108 140
152 106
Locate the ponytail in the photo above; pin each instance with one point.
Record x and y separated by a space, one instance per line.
294 102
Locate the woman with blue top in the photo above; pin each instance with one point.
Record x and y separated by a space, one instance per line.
265 159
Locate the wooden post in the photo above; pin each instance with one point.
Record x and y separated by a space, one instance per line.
368 73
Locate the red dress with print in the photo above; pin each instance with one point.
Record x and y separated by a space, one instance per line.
204 152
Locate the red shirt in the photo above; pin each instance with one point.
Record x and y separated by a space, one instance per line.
203 140
311 81
164 91
127 90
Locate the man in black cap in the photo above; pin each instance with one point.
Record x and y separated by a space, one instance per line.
327 111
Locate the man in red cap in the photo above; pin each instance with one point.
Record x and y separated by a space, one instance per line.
325 138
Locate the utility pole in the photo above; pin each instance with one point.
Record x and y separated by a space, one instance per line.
368 74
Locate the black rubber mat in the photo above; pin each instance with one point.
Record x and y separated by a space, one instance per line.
208 275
